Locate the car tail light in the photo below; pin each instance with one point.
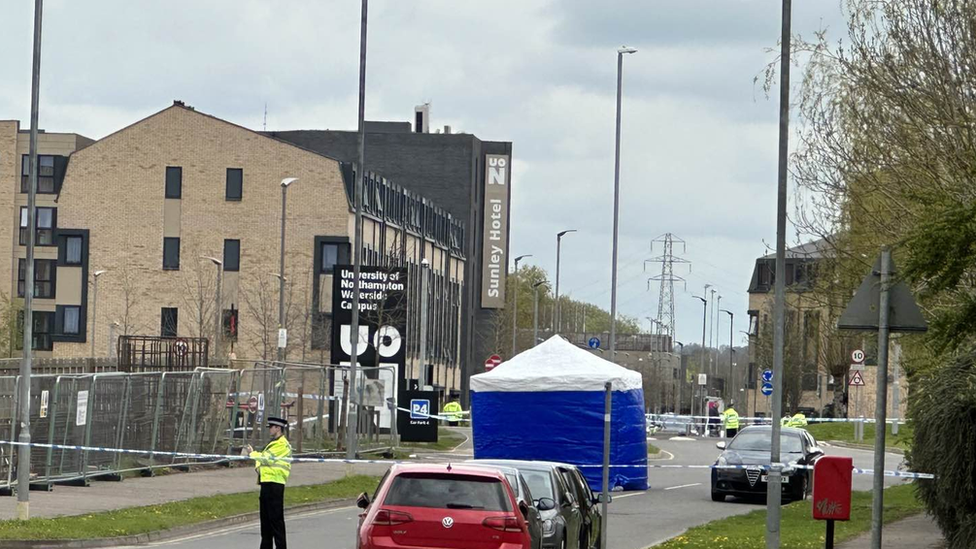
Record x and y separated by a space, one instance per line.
391 518
504 524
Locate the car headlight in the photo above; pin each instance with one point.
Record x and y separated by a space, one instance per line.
548 527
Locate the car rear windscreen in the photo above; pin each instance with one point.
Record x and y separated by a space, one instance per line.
448 492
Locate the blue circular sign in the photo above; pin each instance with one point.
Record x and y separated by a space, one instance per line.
767 375
594 343
767 389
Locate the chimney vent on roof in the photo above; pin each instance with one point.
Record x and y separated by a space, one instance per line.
421 118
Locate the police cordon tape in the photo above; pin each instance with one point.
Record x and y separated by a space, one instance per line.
230 457
718 418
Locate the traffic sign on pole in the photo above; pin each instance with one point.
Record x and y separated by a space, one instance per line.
857 356
594 343
767 375
767 389
856 380
493 360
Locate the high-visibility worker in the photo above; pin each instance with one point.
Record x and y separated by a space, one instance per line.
273 469
798 420
453 411
730 419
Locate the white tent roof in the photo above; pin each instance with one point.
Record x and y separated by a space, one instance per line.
555 365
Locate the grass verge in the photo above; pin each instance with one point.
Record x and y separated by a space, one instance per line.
652 450
151 518
798 530
447 439
844 432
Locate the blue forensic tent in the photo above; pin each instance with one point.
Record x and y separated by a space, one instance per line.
547 404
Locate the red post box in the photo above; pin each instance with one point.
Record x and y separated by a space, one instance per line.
832 488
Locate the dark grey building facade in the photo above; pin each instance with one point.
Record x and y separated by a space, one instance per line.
454 170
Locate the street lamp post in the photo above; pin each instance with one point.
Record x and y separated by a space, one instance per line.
773 491
424 268
24 452
218 316
535 315
95 276
728 383
704 322
616 217
559 238
515 305
282 341
352 436
681 380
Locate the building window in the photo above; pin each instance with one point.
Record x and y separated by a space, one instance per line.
45 176
41 334
330 257
232 255
44 221
169 322
72 320
171 254
230 324
174 182
235 184
72 250
43 278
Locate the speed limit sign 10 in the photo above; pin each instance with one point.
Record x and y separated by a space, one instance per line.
857 356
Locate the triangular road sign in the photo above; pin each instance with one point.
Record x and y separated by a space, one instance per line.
862 311
856 380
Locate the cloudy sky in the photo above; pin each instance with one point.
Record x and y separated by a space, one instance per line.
699 137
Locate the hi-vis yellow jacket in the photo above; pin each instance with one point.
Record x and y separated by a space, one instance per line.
270 466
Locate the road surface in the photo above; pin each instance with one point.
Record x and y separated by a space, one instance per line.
678 499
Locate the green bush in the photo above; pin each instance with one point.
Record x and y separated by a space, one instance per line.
942 406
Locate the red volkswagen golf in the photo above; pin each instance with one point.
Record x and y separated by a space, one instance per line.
442 506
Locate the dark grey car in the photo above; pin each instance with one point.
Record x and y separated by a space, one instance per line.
523 495
748 452
570 524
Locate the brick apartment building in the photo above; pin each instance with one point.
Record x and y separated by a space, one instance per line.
807 318
152 202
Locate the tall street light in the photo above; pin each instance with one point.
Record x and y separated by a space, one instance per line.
535 315
704 322
616 215
218 316
24 452
515 306
282 332
352 438
729 393
773 491
559 238
95 276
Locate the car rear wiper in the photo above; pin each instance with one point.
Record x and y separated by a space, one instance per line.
464 506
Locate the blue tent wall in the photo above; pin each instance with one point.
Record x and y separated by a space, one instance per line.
565 426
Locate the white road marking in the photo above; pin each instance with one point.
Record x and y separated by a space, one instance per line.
669 458
681 439
683 486
630 495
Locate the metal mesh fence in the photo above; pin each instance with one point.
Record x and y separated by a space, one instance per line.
206 411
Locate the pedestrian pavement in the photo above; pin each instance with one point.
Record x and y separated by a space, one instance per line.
917 532
134 492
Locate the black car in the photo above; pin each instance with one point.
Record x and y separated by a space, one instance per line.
750 448
575 522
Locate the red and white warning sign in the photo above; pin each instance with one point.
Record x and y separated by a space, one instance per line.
856 380
493 360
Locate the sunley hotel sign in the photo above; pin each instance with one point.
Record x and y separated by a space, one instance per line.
495 241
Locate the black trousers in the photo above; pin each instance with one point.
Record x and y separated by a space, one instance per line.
272 501
730 432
